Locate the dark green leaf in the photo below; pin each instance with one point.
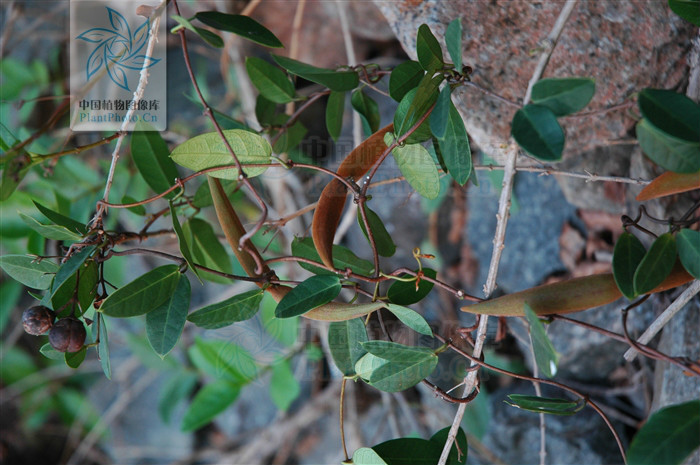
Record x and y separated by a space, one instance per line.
628 252
63 294
334 114
237 308
417 166
68 269
382 239
545 404
535 129
206 249
404 292
368 110
143 294
338 81
291 137
138 210
343 258
87 286
672 113
409 451
545 355
244 26
344 340
165 324
210 401
265 110
689 251
151 157
176 389
666 151
61 220
182 242
410 318
441 113
404 366
311 293
75 359
103 347
223 359
50 231
563 96
428 50
284 388
656 264
686 9
395 352
454 148
453 40
414 106
668 437
404 78
206 35
33 273
271 82
458 453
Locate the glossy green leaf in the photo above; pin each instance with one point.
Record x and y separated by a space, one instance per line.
668 152
382 239
343 258
210 401
428 50
265 110
223 359
418 167
209 151
368 110
87 286
69 268
545 355
671 112
237 308
334 114
33 273
182 242
143 294
244 26
404 78
406 367
563 96
410 318
454 148
453 40
284 388
50 231
414 106
311 293
75 359
344 340
338 81
405 293
688 242
545 404
535 129
207 249
138 210
441 113
206 35
418 451
668 437
164 325
271 82
151 157
61 220
103 347
367 456
686 9
628 252
656 264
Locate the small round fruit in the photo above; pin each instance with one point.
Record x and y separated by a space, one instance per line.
67 335
37 320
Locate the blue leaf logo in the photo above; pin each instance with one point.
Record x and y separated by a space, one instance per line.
118 49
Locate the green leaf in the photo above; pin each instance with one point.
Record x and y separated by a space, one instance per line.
535 129
367 456
52 354
244 26
207 36
271 82
410 318
87 286
208 151
689 251
50 231
138 210
334 114
13 172
206 249
223 359
237 308
265 110
405 367
395 352
428 50
75 359
368 110
669 436
563 96
210 401
165 324
672 113
284 388
457 455
545 355
291 137
176 389
343 258
656 264
405 293
666 151
33 273
16 364
409 451
454 147
405 78
61 220
202 198
182 242
69 268
344 340
285 330
382 239
312 293
453 40
418 167
441 113
103 347
143 294
367 364
545 404
338 81
151 157
414 106
686 9
60 297
628 252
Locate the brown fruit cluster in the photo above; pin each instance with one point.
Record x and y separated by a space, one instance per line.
65 335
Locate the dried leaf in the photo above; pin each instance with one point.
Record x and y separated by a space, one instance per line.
670 183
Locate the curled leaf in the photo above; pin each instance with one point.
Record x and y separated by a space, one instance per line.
670 183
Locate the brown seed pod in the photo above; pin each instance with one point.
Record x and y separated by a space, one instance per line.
37 320
67 335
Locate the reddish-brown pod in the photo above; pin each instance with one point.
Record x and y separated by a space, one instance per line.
67 335
37 320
